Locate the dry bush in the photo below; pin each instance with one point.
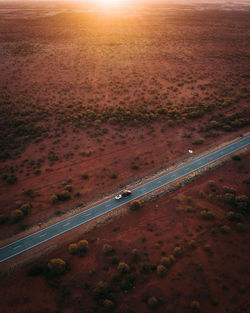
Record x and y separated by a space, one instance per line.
161 271
225 229
195 306
82 247
234 216
192 244
57 266
64 195
109 305
135 255
123 268
145 267
73 249
152 302
135 205
108 249
54 199
17 215
177 251
205 214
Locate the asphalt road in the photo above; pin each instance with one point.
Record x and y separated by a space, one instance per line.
63 226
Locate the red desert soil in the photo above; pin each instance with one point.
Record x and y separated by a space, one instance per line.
115 97
214 272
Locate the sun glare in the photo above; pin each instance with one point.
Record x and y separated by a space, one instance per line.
110 4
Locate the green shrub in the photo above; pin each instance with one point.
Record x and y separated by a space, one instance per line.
161 271
107 249
172 258
101 291
128 282
234 216
195 306
236 157
3 218
116 277
177 251
35 270
113 175
57 266
211 183
135 255
166 261
64 195
202 194
207 248
108 305
135 205
190 210
240 228
69 188
225 229
29 193
192 244
77 194
230 190
242 204
25 208
85 153
123 268
145 267
189 200
212 186
115 260
229 198
37 171
85 176
54 199
82 247
207 215
152 302
73 249
198 142
11 180
17 215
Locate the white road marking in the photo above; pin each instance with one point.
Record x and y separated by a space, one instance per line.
9 251
16 247
42 235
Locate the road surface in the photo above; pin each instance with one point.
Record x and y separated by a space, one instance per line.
63 226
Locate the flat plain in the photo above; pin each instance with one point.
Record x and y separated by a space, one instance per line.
92 102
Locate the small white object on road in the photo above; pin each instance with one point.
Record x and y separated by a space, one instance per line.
190 151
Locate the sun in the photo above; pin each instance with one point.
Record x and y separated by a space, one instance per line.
110 3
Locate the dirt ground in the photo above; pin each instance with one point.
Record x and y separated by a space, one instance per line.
211 270
98 101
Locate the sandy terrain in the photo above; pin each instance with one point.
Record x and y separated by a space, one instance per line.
211 270
98 102
93 102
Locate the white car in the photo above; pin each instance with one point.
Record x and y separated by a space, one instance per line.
124 194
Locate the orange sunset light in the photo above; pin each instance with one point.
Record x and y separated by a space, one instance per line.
111 4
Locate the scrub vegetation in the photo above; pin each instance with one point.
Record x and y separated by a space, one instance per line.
99 101
157 258
91 103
